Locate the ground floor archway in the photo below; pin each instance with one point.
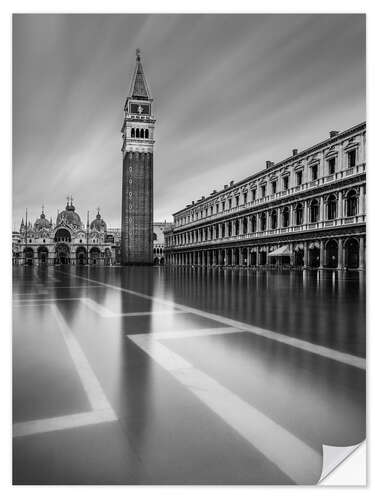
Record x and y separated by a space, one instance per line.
94 256
352 253
299 257
81 256
28 256
42 255
62 254
331 253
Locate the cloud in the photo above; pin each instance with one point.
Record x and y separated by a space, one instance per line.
231 91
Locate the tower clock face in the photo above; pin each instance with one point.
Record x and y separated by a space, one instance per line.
138 108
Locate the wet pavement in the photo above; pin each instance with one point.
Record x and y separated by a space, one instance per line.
184 376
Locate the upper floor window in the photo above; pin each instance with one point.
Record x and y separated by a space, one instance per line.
286 183
274 187
285 217
331 166
352 204
245 198
253 194
299 214
274 219
314 172
212 209
352 158
263 221
299 178
217 208
263 190
253 224
314 211
223 206
230 203
331 207
237 201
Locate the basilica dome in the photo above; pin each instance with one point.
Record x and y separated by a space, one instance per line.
98 224
69 215
42 223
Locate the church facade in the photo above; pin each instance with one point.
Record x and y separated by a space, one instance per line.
67 241
306 211
70 241
137 172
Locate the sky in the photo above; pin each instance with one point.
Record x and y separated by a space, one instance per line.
230 92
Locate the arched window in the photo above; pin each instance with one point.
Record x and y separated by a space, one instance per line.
142 133
351 204
137 132
331 207
236 228
299 214
314 211
274 219
132 132
253 224
286 217
244 225
146 133
263 221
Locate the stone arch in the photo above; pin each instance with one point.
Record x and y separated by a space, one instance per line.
331 248
63 235
42 255
351 248
81 256
62 252
28 256
94 254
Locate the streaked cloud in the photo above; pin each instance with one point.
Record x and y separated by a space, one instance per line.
231 91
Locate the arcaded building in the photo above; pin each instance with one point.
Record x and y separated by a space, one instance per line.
306 211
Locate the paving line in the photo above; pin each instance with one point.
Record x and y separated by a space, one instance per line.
326 352
94 391
41 426
101 412
195 332
104 312
290 454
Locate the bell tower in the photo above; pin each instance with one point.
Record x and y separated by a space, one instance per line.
137 172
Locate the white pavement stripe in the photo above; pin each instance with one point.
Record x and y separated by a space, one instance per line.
326 352
104 312
53 424
197 332
88 378
47 300
41 292
96 307
291 455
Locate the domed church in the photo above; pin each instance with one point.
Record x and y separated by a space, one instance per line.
68 241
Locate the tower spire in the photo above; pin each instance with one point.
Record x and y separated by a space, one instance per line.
139 88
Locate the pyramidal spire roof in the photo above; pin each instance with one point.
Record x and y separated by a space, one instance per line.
139 88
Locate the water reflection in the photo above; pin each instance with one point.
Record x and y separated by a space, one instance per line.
323 307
